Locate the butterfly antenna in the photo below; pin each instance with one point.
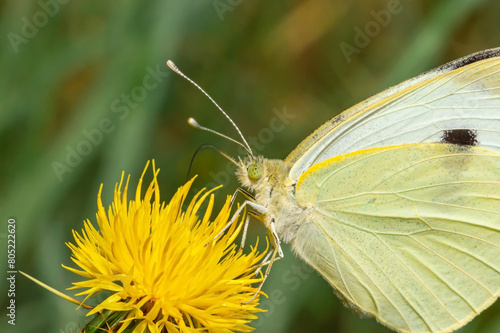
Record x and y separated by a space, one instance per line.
195 124
211 147
245 145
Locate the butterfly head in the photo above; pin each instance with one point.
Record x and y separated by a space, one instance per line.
261 175
251 171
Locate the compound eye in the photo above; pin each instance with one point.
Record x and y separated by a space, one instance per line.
254 171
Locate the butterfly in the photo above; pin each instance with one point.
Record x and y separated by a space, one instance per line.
396 201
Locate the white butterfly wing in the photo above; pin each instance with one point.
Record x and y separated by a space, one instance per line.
409 234
464 94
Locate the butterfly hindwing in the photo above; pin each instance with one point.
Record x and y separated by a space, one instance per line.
408 233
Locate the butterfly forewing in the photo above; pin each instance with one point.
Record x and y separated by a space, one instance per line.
462 95
409 233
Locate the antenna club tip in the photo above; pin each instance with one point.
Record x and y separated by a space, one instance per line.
193 122
172 66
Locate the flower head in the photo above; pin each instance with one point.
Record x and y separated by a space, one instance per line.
165 266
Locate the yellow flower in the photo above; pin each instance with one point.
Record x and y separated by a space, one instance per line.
164 265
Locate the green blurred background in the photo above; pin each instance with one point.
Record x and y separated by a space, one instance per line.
67 68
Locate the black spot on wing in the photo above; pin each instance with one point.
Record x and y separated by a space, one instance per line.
462 137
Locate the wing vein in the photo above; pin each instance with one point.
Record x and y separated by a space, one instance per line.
417 278
373 281
457 268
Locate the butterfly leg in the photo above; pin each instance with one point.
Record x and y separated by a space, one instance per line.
257 211
245 229
273 236
276 255
249 197
276 244
238 211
